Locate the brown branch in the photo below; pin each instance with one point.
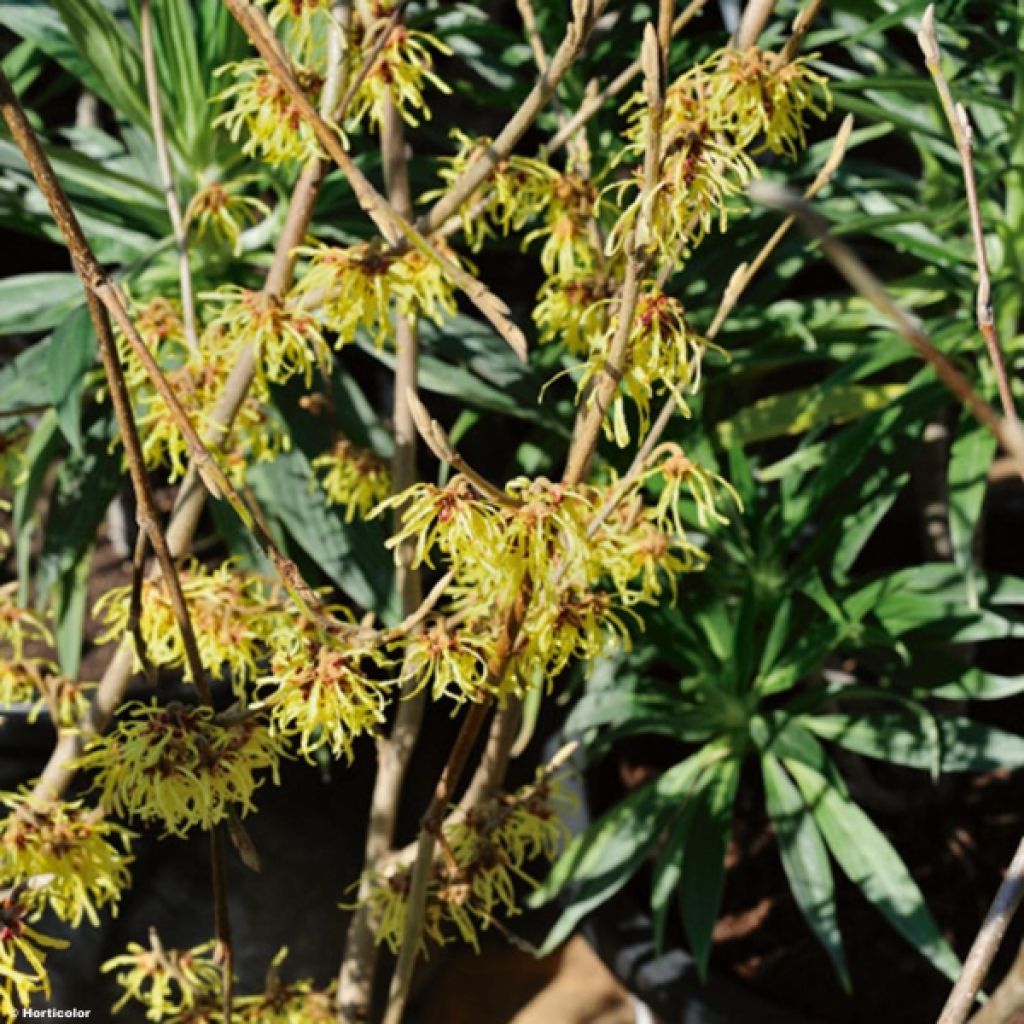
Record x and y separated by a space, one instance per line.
986 943
755 17
392 225
595 102
590 422
109 693
1008 433
963 137
358 968
163 160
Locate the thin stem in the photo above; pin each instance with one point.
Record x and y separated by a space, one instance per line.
986 943
867 285
960 126
392 225
222 918
595 102
163 159
358 969
755 17
589 427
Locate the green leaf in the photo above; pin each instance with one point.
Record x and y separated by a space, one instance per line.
805 860
40 453
796 412
113 59
37 302
969 460
870 862
700 895
965 746
668 870
71 352
601 860
351 554
974 684
69 614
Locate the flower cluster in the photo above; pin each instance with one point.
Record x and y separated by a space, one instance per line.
515 191
662 354
260 106
220 209
22 961
713 116
567 564
85 856
24 671
281 1002
325 687
233 618
485 851
573 309
353 478
399 74
288 342
170 983
178 766
197 378
354 288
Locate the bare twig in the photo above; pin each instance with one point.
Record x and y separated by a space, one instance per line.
589 428
755 16
163 160
986 943
393 226
439 443
960 126
358 968
1008 433
597 100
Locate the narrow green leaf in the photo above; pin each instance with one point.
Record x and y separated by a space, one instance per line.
964 745
37 302
870 862
700 894
805 860
72 350
969 461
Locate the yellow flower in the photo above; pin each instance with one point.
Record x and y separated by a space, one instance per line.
275 129
574 310
677 472
296 1002
288 342
753 94
232 616
388 903
19 627
583 624
713 115
324 688
86 856
570 204
22 962
453 518
354 288
662 354
516 190
450 659
400 73
177 766
305 21
167 982
219 209
355 479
